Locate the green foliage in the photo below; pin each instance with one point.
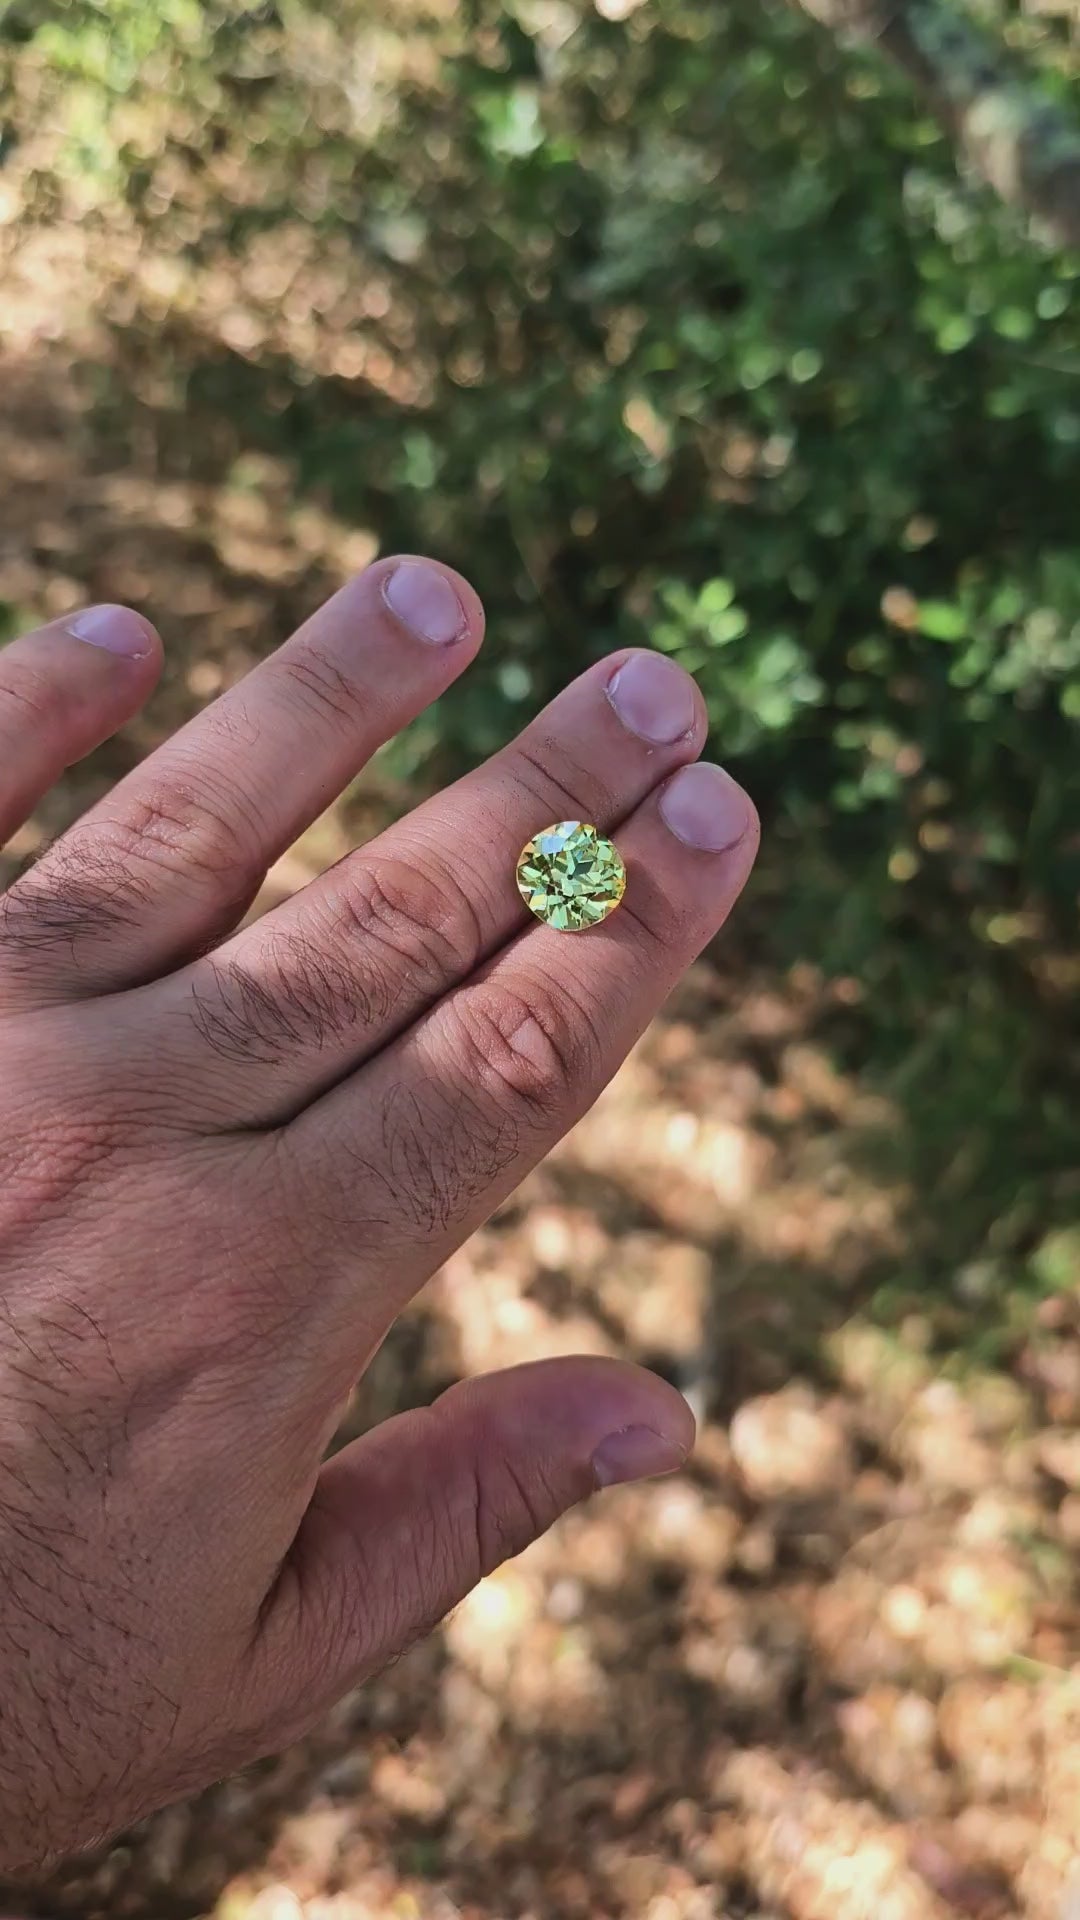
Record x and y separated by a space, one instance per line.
678 329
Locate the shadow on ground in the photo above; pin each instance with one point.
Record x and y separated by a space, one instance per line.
833 1670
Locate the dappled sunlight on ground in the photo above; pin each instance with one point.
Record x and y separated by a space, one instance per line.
830 1673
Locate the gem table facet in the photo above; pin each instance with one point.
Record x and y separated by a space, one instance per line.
570 876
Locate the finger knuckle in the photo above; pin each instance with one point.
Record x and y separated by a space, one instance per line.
561 785
28 699
324 688
203 834
662 921
365 1611
524 1047
100 877
423 921
509 1511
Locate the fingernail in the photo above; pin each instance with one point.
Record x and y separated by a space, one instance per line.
653 698
116 629
704 807
425 602
637 1453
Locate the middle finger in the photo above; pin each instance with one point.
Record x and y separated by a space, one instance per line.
326 980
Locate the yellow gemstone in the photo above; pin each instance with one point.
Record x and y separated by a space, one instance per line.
570 876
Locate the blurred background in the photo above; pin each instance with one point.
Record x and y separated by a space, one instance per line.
684 324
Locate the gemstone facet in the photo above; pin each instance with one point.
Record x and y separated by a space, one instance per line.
570 876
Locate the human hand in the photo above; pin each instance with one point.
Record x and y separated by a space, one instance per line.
230 1158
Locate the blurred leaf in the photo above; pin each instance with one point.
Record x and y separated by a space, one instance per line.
941 620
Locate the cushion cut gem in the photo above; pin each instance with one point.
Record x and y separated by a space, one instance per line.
570 876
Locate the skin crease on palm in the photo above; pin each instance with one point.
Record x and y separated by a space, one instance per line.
229 1159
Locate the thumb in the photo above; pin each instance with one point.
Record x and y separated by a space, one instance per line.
407 1519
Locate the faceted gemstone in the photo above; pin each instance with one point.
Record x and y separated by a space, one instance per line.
570 876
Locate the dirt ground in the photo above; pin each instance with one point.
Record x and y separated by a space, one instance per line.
830 1673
